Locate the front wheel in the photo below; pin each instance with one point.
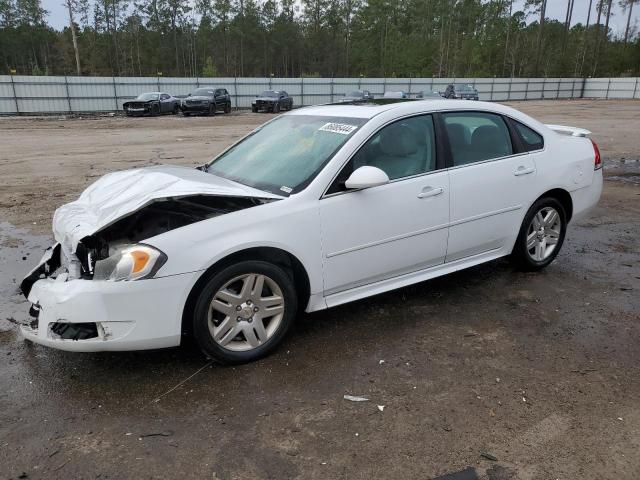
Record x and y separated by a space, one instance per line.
227 108
244 311
541 235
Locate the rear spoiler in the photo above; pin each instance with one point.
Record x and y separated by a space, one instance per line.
573 131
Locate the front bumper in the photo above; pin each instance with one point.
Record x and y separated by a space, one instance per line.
199 107
263 106
128 315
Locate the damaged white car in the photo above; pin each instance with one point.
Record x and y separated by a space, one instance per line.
318 207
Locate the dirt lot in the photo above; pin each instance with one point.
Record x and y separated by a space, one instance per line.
540 371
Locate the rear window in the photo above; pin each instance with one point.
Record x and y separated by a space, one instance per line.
530 139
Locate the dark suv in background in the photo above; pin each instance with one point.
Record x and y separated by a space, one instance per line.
207 101
463 91
272 101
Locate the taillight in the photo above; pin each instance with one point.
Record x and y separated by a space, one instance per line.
597 162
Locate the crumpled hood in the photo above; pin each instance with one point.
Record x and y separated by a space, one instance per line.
119 194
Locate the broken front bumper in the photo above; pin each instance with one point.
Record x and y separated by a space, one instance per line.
127 315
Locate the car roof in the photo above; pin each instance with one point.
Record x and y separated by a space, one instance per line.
408 107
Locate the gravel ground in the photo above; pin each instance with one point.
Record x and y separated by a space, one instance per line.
537 371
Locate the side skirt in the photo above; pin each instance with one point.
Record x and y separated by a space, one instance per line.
408 279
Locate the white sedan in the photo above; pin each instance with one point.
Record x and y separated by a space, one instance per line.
318 207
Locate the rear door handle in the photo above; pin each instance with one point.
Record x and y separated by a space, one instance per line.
522 170
430 192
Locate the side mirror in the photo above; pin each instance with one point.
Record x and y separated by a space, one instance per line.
366 177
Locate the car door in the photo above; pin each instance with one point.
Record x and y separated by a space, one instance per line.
165 103
386 231
492 183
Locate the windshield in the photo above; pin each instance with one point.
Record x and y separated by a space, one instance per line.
145 97
284 155
464 88
202 92
356 94
269 93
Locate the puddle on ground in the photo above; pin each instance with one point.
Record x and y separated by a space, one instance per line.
20 251
623 170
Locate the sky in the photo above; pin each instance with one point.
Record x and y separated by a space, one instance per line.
58 18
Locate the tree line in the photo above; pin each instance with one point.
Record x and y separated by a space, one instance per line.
285 38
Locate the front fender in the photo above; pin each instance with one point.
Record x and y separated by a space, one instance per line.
292 228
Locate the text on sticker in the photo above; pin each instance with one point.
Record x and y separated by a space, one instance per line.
341 128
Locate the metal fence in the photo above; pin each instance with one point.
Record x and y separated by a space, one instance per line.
49 94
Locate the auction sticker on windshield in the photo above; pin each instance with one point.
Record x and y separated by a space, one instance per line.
340 128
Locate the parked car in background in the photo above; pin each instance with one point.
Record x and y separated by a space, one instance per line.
272 101
207 101
357 96
398 94
319 207
152 103
463 91
428 94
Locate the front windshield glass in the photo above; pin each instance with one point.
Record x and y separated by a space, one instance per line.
145 97
269 93
284 155
356 94
464 88
202 92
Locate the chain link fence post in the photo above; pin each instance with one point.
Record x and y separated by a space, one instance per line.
331 89
66 84
115 93
15 97
635 88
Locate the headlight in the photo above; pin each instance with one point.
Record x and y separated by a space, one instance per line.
131 262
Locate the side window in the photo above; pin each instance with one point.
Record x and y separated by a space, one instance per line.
477 136
404 148
530 139
164 96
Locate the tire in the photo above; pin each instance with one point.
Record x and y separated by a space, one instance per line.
186 114
155 110
254 109
212 109
239 339
227 108
276 108
546 221
176 109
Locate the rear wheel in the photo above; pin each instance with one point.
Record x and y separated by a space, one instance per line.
244 311
176 109
541 234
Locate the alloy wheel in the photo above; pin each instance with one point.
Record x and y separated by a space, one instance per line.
246 312
543 233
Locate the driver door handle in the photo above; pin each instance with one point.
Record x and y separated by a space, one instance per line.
522 170
430 192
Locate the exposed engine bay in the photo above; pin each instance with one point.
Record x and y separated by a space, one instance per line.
155 218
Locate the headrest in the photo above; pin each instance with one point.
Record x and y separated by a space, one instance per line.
488 138
456 133
398 141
